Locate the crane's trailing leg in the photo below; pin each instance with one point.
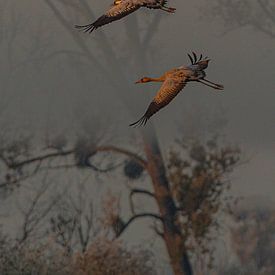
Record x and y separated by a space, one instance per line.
215 84
168 9
211 84
165 8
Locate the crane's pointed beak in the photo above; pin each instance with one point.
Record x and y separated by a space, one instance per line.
138 82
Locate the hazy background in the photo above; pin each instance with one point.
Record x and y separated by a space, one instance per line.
47 89
52 97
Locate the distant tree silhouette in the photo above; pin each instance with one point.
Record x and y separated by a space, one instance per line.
258 14
253 240
21 47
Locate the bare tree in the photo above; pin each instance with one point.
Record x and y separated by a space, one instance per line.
154 161
75 224
197 183
83 154
40 205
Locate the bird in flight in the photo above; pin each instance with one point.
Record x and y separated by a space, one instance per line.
173 82
121 8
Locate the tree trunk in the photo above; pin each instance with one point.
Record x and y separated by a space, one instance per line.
172 236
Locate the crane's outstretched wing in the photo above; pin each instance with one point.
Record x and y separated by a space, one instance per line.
168 91
116 12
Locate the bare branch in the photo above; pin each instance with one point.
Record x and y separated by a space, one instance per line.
37 159
125 152
31 218
135 217
77 39
108 148
103 42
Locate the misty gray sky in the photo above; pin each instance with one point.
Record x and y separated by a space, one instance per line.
243 60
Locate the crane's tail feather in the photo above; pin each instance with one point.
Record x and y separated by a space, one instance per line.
194 59
141 122
191 59
86 28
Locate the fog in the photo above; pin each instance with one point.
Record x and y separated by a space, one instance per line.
54 95
48 87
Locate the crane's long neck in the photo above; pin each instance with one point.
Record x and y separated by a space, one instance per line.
156 79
